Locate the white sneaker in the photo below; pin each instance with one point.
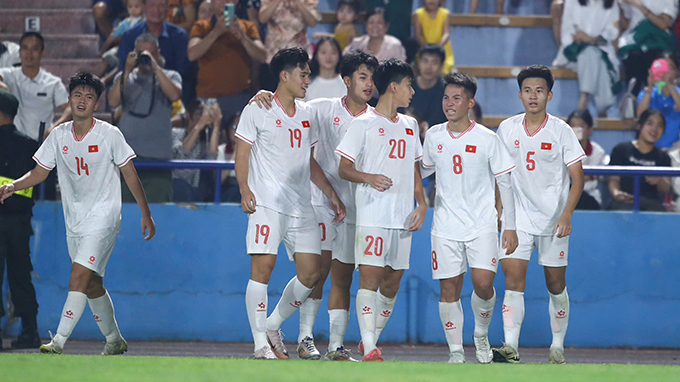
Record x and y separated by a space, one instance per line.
457 356
264 352
307 350
51 347
275 339
115 348
484 354
556 355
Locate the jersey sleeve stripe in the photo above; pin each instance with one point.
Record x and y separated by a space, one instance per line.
345 155
505 171
576 160
428 166
314 144
42 165
418 158
243 138
127 160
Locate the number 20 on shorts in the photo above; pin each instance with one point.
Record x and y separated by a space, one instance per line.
377 246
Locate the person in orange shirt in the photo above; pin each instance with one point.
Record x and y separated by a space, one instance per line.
225 55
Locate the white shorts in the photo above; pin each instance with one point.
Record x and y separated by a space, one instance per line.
92 250
450 258
552 251
266 229
382 247
327 227
343 245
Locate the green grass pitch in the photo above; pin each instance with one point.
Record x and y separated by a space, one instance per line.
49 368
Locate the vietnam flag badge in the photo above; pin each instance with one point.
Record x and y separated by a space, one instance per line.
470 149
409 131
305 124
93 149
546 146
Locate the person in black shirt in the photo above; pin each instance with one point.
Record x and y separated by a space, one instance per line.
16 151
641 152
429 84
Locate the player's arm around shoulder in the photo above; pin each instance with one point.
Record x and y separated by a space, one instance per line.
135 185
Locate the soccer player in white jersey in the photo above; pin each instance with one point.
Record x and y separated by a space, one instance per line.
333 116
274 167
467 157
381 152
90 155
547 154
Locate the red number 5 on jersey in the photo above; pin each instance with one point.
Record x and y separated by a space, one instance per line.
531 164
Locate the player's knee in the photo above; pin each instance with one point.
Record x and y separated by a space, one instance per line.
515 284
484 288
556 286
310 278
389 289
95 290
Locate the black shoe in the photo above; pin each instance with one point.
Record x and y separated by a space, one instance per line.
27 341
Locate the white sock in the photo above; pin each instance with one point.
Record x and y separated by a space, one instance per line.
366 307
384 306
291 300
559 317
308 312
339 318
105 316
256 306
451 314
513 315
70 315
483 310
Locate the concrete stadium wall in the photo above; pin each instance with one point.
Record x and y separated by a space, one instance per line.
189 282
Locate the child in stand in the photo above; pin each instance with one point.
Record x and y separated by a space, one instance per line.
432 26
345 31
109 50
325 68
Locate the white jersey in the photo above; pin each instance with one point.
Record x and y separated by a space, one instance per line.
279 173
377 145
466 165
541 180
333 117
89 174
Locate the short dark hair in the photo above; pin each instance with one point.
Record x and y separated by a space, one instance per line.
536 71
35 35
352 4
432 49
314 63
193 105
645 116
377 11
582 114
391 70
87 80
352 60
468 83
288 59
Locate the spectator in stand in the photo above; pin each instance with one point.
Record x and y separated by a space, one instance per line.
646 35
431 24
39 92
105 12
582 123
641 152
287 22
225 54
9 54
226 152
182 13
193 142
556 9
248 10
146 92
376 41
345 31
109 51
662 94
204 11
429 85
474 4
173 42
675 162
589 28
325 68
398 12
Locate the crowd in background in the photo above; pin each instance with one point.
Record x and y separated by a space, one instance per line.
180 71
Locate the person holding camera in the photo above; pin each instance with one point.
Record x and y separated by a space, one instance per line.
146 92
225 47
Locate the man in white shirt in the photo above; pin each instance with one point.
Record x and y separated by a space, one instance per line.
90 156
274 167
39 92
381 153
548 158
9 54
333 116
468 159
